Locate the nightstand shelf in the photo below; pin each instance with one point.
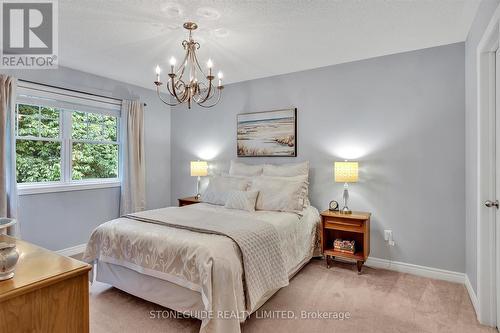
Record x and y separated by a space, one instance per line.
355 226
356 256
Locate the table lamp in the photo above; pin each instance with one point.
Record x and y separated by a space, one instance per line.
346 172
199 169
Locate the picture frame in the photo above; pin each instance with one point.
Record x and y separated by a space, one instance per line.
267 133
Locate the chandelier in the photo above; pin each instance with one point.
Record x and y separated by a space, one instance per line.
189 83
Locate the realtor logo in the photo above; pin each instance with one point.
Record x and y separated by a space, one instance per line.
29 34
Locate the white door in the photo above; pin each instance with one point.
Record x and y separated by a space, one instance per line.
495 203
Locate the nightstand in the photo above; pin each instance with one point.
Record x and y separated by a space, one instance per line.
355 226
188 201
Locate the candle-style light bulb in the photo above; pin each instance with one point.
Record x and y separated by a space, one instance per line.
210 64
220 76
158 71
172 64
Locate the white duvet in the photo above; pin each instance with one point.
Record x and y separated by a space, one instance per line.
206 263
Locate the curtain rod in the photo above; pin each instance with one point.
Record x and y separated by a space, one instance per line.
72 90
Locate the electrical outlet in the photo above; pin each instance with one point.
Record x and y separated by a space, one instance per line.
389 237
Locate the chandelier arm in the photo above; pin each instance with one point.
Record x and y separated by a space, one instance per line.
192 69
163 100
184 91
208 95
168 86
198 65
198 100
209 106
181 100
183 65
185 95
203 88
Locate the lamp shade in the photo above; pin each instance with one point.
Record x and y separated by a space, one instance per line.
199 168
346 172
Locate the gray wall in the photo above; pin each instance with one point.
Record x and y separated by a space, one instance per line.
61 220
483 16
402 116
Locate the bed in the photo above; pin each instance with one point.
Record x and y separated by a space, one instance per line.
197 260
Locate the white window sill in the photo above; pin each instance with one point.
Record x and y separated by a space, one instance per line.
27 189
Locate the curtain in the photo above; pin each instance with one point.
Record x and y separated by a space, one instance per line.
8 184
133 173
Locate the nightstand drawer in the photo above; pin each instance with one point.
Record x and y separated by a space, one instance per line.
338 220
343 225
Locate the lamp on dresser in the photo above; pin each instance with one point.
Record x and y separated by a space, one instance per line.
199 169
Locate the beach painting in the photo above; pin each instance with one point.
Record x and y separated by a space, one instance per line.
270 133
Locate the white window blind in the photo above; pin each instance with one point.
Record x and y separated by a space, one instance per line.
31 93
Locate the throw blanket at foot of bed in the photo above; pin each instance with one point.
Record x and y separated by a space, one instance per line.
258 241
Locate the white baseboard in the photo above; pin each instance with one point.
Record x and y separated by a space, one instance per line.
429 272
71 251
472 294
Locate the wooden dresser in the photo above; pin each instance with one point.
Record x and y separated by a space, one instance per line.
49 292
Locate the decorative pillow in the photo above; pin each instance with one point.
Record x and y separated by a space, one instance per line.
286 170
214 197
283 194
242 169
219 187
244 200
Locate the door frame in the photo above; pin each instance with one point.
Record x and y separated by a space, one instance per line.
486 247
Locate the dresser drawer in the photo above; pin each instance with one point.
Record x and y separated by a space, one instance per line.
343 224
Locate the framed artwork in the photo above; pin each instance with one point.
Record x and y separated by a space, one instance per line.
267 134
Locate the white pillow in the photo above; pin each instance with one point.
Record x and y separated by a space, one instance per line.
242 169
301 178
283 194
244 200
286 170
219 187
228 183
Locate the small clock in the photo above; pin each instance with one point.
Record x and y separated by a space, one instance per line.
333 206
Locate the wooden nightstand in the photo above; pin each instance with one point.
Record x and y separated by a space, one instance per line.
355 226
188 201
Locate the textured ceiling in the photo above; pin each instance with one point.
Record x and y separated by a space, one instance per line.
125 39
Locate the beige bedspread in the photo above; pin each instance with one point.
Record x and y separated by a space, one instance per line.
209 260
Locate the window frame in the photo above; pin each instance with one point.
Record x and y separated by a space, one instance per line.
66 183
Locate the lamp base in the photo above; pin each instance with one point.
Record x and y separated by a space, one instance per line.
345 196
345 210
198 195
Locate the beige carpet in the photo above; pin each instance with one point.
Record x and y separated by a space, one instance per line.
378 300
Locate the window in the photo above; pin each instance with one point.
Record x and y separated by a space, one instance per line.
38 144
94 146
65 140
